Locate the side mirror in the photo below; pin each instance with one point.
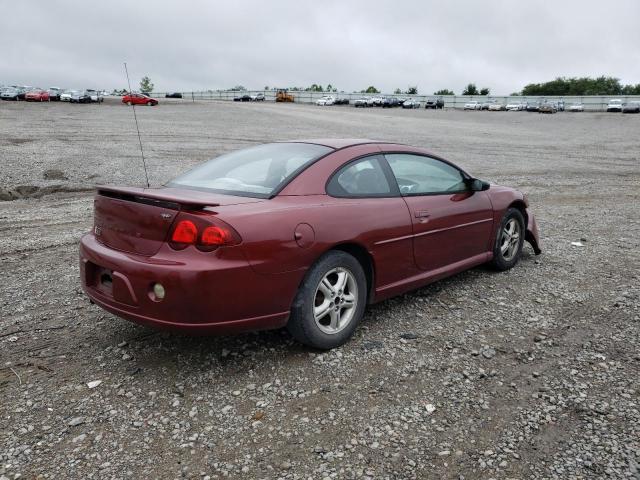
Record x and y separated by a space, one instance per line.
478 185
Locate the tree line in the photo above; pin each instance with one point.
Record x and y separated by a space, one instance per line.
561 86
581 86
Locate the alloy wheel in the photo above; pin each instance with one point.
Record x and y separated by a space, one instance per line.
510 239
335 300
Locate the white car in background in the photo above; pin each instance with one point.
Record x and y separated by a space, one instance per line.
67 94
576 107
326 100
473 105
96 97
614 105
496 107
515 106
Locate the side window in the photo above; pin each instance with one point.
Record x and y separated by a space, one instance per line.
418 175
362 178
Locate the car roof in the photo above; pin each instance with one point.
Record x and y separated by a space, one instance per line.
337 143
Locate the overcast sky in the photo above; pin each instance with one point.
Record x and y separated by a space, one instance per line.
185 45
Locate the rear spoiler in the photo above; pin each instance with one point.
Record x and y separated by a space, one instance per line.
167 197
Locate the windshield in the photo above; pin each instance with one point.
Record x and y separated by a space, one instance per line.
254 172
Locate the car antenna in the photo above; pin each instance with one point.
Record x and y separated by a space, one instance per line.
146 175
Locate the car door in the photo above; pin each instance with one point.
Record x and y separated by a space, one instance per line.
451 223
372 213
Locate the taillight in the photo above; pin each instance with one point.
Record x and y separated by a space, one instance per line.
204 231
185 232
214 236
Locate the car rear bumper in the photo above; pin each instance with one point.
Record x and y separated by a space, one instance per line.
205 292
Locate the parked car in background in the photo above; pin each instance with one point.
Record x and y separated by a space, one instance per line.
548 107
139 99
473 105
258 97
173 257
67 94
23 92
341 101
434 103
326 100
81 96
614 105
173 95
515 106
377 101
486 104
10 93
532 106
497 107
96 97
410 103
54 93
37 96
631 107
242 98
559 105
362 102
389 102
576 107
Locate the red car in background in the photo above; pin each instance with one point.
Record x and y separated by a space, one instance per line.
37 96
139 99
297 234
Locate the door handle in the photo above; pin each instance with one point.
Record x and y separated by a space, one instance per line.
421 214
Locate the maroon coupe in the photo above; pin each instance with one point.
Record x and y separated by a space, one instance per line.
300 234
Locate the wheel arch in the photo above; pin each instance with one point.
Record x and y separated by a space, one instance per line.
522 207
362 255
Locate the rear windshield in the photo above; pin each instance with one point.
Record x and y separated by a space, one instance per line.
254 172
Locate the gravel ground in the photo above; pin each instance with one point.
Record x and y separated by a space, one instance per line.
532 373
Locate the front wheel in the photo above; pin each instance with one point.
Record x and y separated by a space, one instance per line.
330 302
509 240
129 103
149 104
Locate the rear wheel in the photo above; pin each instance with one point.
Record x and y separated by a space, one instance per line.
129 103
330 302
509 240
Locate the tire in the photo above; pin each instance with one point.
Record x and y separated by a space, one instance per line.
149 104
129 103
509 240
330 277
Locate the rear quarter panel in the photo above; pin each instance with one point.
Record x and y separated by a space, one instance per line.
269 241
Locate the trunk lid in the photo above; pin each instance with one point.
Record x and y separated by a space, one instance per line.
138 220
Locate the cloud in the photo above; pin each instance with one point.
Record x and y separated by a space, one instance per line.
197 45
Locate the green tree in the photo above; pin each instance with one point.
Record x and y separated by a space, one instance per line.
484 91
145 85
578 86
412 91
397 91
370 89
239 88
444 91
470 89
631 89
